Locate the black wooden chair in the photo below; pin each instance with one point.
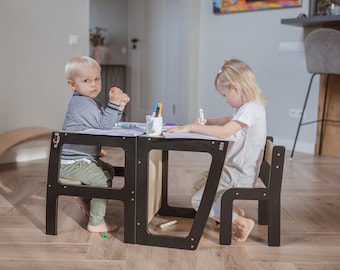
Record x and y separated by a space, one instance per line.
63 187
267 192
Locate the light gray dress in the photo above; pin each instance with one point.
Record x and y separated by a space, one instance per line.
243 158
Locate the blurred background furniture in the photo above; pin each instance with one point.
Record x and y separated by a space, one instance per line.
322 51
112 75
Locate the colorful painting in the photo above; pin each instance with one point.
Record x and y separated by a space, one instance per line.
230 6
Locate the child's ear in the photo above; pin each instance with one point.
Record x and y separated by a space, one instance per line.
70 84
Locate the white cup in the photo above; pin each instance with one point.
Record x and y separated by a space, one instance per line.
154 125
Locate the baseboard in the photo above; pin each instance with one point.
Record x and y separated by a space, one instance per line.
303 147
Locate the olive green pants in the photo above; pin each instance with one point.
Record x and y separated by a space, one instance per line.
92 174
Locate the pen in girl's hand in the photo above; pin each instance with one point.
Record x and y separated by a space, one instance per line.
201 115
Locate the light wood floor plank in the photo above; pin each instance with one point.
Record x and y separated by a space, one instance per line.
52 264
145 257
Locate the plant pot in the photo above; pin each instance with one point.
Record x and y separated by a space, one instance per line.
97 54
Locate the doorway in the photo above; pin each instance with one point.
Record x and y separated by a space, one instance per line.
159 63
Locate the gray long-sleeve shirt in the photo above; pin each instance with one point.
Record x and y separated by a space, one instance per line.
85 113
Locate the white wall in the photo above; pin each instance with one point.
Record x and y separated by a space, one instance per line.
254 37
34 50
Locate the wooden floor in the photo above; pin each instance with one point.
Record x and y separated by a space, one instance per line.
310 226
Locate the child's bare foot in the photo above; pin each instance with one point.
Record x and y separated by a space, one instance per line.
244 228
104 227
85 207
239 211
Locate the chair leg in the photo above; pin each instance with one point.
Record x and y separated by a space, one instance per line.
301 117
263 212
226 220
323 115
274 223
51 213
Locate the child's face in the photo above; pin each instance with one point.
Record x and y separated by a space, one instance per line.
232 96
87 82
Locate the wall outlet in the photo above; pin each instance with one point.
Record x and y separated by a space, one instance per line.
296 113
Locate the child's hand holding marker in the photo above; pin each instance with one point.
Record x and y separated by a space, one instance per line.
190 127
118 97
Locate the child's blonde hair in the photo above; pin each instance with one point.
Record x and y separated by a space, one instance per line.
237 73
76 63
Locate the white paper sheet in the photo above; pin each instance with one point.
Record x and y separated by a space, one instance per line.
126 129
168 135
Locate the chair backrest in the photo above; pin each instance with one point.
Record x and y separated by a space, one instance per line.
271 171
322 51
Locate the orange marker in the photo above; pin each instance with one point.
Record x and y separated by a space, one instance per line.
160 105
112 89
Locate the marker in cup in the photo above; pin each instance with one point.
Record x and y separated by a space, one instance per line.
160 108
154 109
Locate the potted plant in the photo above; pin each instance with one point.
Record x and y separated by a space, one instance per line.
97 40
96 37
